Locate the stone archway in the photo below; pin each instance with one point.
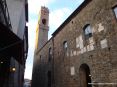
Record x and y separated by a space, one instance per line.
85 76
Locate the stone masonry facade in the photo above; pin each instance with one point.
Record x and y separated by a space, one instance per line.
80 57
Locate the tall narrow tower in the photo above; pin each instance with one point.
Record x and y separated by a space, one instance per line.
42 28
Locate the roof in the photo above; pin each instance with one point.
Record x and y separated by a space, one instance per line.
44 45
84 4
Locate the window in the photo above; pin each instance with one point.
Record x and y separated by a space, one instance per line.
40 58
103 43
72 70
87 31
65 45
50 54
44 21
115 11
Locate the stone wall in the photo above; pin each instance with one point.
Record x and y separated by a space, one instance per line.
42 65
97 52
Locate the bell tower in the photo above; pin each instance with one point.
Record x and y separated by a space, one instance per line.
42 28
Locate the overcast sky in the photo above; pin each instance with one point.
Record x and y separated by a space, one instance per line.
59 11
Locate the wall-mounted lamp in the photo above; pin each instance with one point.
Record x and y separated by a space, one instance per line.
1 62
12 69
90 75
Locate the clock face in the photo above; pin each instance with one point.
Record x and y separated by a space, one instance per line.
44 21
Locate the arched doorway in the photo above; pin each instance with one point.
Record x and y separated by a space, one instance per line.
85 76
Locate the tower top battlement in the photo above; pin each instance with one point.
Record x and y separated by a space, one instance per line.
45 9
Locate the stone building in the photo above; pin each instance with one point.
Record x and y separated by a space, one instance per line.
13 42
27 83
82 51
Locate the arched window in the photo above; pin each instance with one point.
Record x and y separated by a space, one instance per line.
50 54
115 11
87 31
65 45
44 21
40 58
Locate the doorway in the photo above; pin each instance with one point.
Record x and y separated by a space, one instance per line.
85 76
49 79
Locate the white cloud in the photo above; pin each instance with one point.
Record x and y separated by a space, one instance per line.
32 32
28 73
57 17
31 35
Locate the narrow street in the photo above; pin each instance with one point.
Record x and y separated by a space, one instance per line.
54 43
